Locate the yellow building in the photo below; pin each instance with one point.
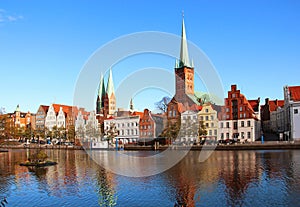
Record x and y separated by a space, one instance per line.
209 116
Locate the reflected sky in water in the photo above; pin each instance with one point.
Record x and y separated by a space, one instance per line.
227 178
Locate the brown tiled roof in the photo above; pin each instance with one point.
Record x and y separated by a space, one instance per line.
294 93
45 108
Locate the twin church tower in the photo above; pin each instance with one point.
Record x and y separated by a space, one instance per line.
184 97
106 99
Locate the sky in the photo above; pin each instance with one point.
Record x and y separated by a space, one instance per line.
45 44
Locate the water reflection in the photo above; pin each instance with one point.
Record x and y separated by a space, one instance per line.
227 178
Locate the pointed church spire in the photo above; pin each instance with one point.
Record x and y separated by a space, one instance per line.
18 108
131 104
184 56
110 84
101 90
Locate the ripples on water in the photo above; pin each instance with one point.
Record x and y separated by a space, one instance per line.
227 178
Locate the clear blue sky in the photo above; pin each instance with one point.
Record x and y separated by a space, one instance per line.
44 44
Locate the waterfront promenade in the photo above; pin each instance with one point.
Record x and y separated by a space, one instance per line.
269 145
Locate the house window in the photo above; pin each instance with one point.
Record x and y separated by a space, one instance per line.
242 124
174 113
206 118
211 117
227 124
235 125
201 118
206 110
241 108
206 125
215 132
212 124
222 125
227 135
227 116
170 113
243 135
210 132
249 135
241 115
222 135
227 109
295 111
233 95
248 123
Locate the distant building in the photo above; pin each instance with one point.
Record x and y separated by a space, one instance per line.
16 120
292 112
151 125
40 118
239 118
269 115
106 99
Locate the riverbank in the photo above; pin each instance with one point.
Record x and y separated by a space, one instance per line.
250 146
36 146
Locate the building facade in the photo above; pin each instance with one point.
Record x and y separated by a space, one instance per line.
209 116
239 118
292 112
151 125
189 127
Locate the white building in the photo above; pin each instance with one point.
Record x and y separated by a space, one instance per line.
189 127
61 118
127 127
292 112
50 120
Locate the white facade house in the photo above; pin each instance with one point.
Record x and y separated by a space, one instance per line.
248 129
189 127
79 122
292 112
127 127
50 120
61 119
92 129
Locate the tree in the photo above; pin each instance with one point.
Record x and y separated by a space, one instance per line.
202 129
171 131
71 133
163 104
112 132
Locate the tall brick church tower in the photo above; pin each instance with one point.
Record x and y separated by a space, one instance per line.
184 98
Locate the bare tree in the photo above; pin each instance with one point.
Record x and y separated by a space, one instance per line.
163 104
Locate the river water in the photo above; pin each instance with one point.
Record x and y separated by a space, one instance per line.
226 178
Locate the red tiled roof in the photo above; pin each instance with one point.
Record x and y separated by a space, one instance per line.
274 104
254 104
294 93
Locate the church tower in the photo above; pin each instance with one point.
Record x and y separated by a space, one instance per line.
110 98
100 96
184 71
